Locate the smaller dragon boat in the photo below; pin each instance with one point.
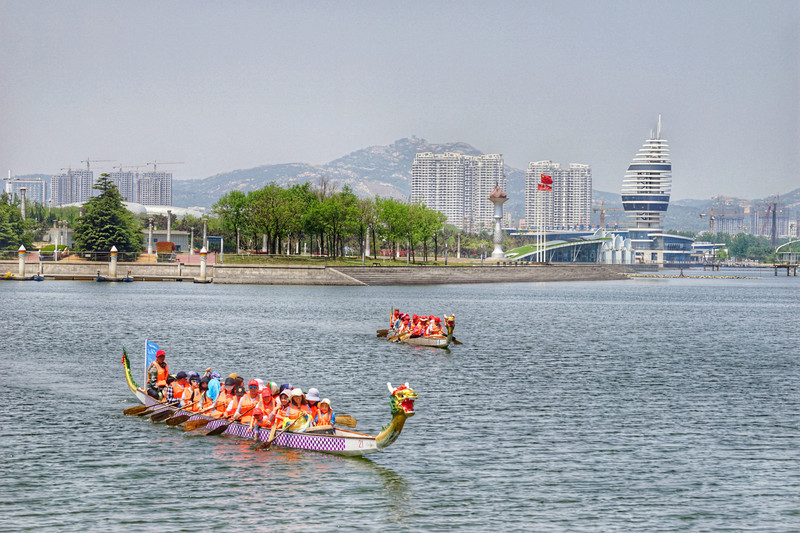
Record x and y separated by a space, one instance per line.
435 341
335 440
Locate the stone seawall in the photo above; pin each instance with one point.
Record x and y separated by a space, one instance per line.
329 275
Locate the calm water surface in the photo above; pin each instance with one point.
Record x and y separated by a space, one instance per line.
643 405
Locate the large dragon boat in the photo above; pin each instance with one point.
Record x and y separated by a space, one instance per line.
335 440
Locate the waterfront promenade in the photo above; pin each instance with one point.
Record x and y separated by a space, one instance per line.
326 275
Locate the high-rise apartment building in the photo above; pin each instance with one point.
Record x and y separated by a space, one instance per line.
124 182
73 186
35 189
154 188
458 186
568 205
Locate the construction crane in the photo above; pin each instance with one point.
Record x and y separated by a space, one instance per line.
603 210
156 163
88 161
712 217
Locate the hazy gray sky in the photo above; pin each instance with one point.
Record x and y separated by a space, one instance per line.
227 85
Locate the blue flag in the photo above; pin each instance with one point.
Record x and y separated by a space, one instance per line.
150 349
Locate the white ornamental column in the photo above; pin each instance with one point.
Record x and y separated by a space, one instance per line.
112 265
21 252
150 236
203 260
498 198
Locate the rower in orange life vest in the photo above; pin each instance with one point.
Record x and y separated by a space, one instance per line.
157 374
224 398
267 400
312 402
205 401
325 416
248 403
279 414
259 421
297 405
435 326
191 394
176 389
240 393
419 328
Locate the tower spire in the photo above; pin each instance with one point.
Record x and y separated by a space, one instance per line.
658 131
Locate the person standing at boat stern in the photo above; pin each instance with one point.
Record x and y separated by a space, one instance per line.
157 374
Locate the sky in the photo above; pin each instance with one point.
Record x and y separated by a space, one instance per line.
229 85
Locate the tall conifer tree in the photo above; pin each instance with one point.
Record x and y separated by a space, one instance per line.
106 222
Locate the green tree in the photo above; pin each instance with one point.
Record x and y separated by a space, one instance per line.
106 222
12 228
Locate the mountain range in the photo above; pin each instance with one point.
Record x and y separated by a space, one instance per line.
386 171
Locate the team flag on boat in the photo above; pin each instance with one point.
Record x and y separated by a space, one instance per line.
543 187
150 349
547 179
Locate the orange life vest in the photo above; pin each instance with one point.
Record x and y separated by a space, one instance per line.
324 419
177 390
246 407
223 399
161 379
204 404
190 395
313 410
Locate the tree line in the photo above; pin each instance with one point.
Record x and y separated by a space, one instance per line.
332 221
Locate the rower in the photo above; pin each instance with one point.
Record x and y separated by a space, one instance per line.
157 374
248 403
234 403
205 401
267 401
279 414
191 394
312 399
225 397
325 417
298 404
258 420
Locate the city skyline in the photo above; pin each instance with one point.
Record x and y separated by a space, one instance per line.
230 86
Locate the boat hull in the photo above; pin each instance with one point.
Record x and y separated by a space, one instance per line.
342 442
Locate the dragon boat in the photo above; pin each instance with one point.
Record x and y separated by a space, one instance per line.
299 436
435 341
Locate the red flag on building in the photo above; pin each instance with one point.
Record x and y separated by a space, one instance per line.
543 187
547 179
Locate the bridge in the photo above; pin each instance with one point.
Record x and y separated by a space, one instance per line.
790 259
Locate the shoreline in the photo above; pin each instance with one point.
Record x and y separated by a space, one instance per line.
323 275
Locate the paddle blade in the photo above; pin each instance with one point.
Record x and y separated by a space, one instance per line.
456 341
162 415
382 332
134 410
218 430
175 420
346 421
191 425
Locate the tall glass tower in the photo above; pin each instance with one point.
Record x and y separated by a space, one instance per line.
646 188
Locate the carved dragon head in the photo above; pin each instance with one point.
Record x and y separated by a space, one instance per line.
402 401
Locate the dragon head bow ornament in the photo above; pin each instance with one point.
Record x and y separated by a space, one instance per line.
402 400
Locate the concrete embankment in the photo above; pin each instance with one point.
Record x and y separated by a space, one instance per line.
329 275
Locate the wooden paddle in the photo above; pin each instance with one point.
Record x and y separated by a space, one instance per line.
456 341
191 425
273 436
221 429
153 408
135 410
346 421
382 333
166 413
180 419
